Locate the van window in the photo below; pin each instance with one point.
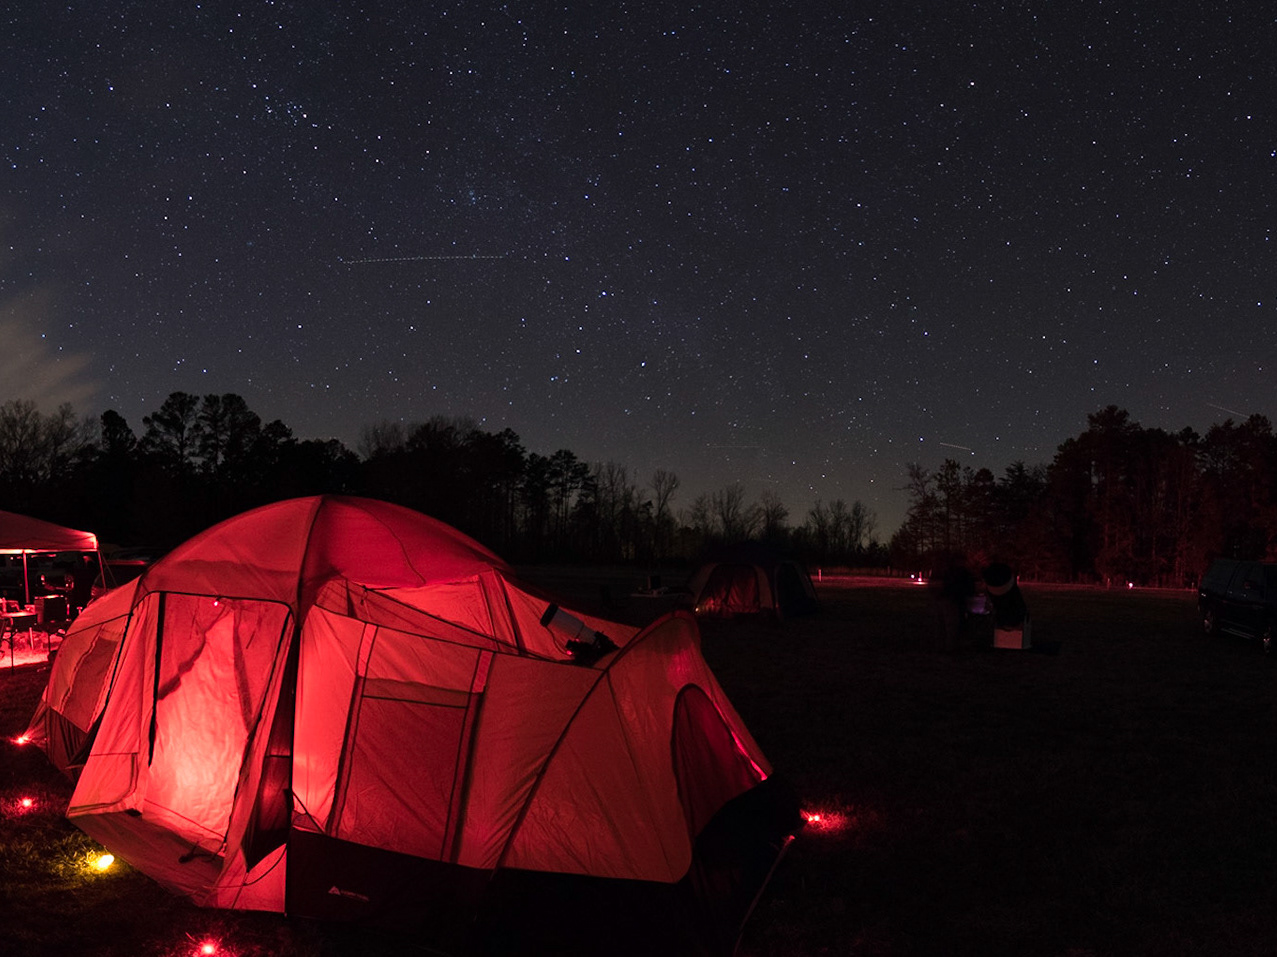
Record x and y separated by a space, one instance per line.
1255 579
1217 576
1244 581
1248 583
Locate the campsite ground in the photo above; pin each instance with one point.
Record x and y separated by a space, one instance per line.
1114 798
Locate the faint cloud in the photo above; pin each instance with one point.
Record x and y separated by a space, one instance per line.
33 368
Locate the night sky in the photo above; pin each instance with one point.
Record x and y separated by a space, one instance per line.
796 247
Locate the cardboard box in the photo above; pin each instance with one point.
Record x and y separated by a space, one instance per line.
1018 638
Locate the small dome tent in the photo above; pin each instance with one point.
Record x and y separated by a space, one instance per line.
339 708
751 578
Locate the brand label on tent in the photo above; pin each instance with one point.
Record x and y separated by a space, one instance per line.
352 895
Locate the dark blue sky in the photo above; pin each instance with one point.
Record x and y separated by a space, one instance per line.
795 247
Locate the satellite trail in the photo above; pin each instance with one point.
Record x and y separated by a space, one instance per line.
410 259
950 445
1226 409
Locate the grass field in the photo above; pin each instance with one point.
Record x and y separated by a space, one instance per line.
1114 798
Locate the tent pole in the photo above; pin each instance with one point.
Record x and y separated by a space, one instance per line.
26 581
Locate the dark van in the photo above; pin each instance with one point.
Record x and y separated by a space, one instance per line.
1239 598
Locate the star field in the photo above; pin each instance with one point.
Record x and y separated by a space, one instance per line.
792 247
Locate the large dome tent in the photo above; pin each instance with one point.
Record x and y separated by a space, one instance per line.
335 707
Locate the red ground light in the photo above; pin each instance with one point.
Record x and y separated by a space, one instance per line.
18 806
825 822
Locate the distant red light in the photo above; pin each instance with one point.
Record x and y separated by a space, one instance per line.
208 948
826 822
21 739
28 802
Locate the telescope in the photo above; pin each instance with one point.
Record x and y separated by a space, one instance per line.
584 644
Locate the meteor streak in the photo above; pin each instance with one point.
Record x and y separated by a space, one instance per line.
1229 411
410 259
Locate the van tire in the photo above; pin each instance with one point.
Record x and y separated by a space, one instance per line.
1208 623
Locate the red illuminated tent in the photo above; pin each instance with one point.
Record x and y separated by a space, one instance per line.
750 578
339 708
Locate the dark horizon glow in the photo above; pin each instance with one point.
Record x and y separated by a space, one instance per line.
793 248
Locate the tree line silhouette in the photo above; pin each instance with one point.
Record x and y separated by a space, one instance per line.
1117 503
200 459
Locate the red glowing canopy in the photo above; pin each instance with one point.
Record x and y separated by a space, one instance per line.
21 533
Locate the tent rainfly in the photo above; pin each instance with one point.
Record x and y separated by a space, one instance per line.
339 708
25 536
